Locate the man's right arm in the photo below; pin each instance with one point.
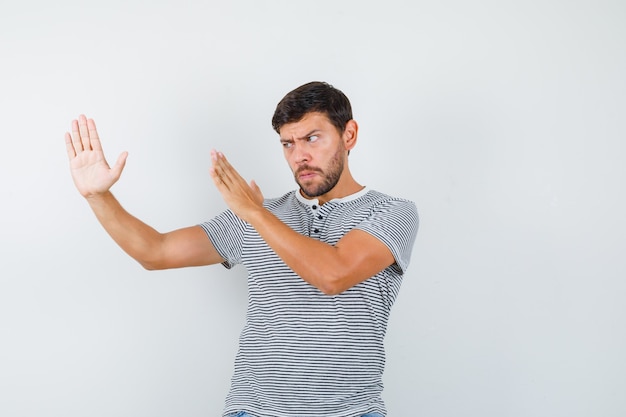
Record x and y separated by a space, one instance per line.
189 246
93 178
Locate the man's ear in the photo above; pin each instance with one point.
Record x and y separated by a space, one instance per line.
350 134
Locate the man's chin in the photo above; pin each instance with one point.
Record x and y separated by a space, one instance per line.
309 193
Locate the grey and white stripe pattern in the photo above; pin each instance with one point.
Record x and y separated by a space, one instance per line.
303 353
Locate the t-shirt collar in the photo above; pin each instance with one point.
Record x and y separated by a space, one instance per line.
315 202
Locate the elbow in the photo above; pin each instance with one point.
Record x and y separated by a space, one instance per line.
330 291
150 265
332 287
334 281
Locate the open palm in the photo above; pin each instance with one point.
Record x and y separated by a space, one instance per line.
90 171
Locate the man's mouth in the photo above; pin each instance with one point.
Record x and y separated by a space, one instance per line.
306 173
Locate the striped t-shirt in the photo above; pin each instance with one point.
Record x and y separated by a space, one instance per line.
303 353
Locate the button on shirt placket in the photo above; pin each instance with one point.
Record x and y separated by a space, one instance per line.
318 221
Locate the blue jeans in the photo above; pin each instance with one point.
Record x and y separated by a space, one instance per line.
244 414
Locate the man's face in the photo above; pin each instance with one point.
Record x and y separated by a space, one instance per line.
315 151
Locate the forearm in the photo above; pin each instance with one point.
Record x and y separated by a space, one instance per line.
136 238
316 262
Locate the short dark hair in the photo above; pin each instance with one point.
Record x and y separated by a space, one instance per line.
316 96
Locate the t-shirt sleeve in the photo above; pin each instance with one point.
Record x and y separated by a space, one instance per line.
395 223
226 232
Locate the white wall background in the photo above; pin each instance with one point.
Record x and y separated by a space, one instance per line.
503 120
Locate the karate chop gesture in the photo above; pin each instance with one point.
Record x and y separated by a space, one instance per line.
242 198
90 171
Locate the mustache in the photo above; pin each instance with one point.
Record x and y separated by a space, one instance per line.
308 168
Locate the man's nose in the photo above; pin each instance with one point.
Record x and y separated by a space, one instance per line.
300 154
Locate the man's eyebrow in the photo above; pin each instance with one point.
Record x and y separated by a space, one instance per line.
311 133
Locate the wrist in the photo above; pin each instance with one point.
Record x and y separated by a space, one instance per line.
98 198
257 215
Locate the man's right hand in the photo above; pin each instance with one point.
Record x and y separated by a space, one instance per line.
90 171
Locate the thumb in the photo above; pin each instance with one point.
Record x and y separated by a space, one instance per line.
119 164
257 191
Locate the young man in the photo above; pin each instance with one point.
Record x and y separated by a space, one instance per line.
325 262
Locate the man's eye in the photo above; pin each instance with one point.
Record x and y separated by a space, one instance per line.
287 144
312 138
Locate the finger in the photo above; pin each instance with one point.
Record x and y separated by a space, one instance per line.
222 171
69 146
78 145
94 139
218 169
217 180
84 132
213 170
224 162
227 171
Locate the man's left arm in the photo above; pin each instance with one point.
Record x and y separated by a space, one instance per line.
331 268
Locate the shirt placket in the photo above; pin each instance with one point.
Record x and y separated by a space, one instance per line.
318 224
